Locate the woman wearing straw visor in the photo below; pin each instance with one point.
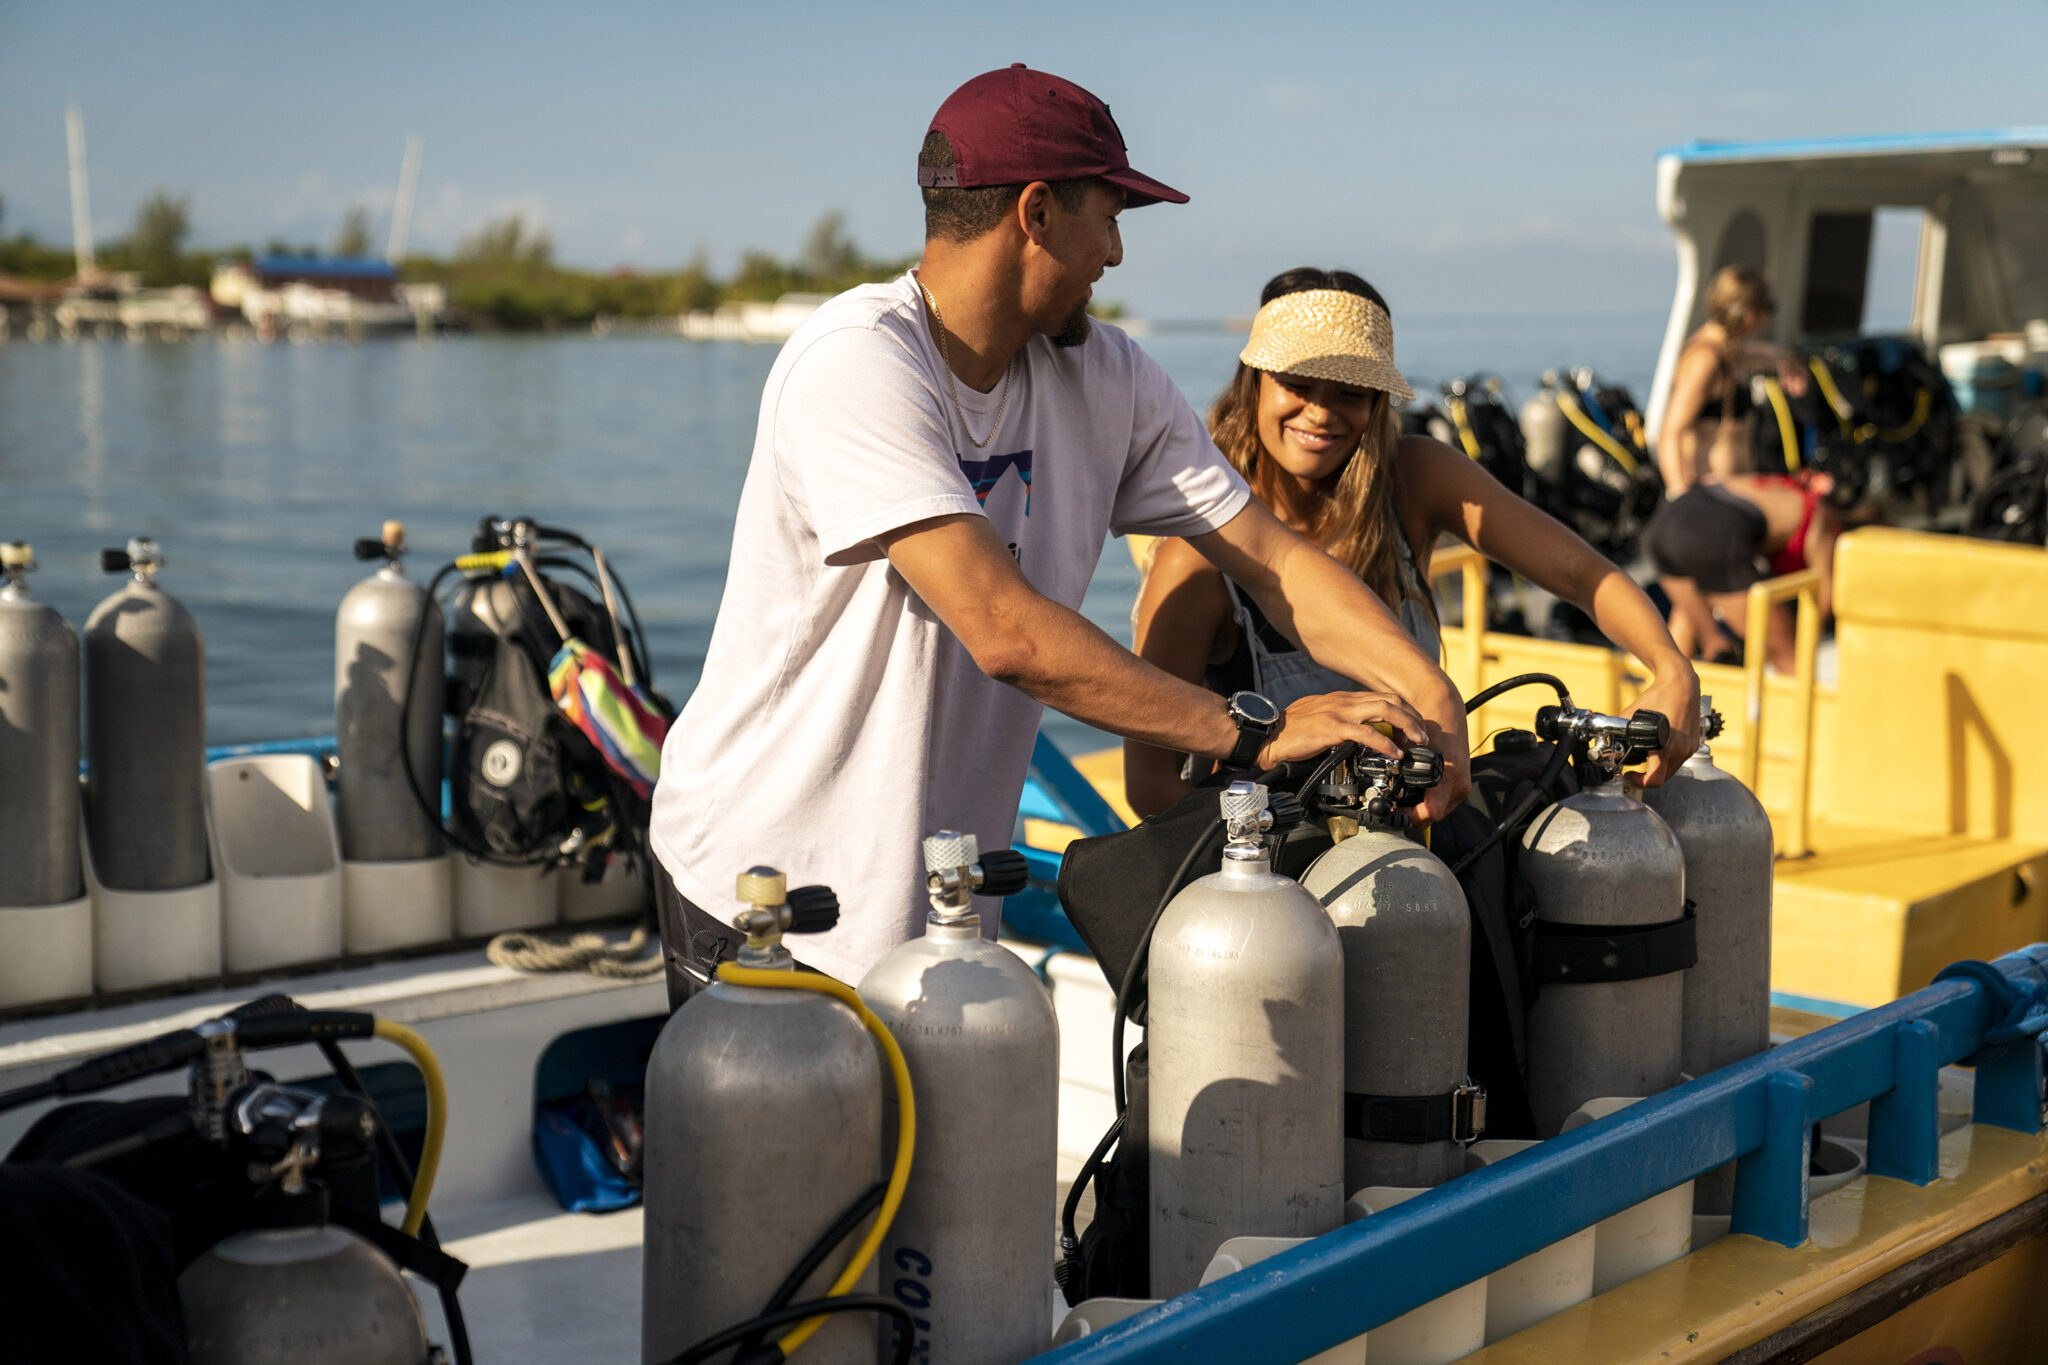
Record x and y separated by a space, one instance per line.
1310 421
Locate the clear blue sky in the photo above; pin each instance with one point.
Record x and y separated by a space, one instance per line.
1468 158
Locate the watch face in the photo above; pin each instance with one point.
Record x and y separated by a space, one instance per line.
1254 708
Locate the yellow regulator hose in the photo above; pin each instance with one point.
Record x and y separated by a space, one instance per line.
1786 435
1569 406
906 1127
437 1118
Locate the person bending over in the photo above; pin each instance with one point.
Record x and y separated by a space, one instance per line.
1310 421
937 464
1706 546
1708 430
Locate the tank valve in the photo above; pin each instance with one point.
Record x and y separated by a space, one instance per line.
1711 721
956 869
390 547
17 562
1370 786
142 558
1609 743
1250 812
774 909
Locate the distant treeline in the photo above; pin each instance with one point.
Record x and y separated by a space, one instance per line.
503 275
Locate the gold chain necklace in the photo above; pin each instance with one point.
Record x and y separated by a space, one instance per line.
952 392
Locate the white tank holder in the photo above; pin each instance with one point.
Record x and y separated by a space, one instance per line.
278 861
398 904
1239 1252
45 952
152 938
490 899
1543 1283
1643 1236
1442 1330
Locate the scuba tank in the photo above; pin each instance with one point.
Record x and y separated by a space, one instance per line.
1725 838
38 743
310 1295
381 647
1543 431
763 1124
145 703
1409 1106
1245 1030
1615 931
977 1030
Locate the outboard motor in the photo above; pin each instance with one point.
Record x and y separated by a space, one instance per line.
1615 933
1245 1027
375 661
1725 838
38 743
1409 1107
145 702
764 1126
977 1029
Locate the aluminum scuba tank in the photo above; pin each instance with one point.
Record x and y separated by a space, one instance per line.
38 743
375 665
1409 1106
1245 1029
1608 1014
318 1295
966 1252
1543 430
145 703
1727 844
763 1125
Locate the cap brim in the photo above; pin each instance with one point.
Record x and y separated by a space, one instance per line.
1140 189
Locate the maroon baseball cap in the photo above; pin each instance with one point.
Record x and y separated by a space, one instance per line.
1017 125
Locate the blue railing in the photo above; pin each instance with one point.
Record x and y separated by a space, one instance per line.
1760 1112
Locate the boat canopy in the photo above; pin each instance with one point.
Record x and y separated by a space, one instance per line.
1802 212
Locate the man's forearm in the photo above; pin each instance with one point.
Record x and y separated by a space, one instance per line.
1066 662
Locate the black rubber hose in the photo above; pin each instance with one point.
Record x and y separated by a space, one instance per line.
29 1094
859 1209
1070 1241
1519 680
906 1331
1522 810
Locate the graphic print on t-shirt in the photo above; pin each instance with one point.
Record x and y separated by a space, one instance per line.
986 474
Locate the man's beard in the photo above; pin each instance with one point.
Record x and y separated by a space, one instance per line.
1074 330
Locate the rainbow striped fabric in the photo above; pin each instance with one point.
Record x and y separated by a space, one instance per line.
615 717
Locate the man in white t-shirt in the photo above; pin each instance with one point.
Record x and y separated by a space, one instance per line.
937 464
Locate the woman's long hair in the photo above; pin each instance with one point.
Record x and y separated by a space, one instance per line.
1358 525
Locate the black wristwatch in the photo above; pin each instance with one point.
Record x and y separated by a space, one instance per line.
1257 721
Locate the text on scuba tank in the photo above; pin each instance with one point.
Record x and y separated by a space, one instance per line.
913 1293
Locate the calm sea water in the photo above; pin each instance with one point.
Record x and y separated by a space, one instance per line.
257 466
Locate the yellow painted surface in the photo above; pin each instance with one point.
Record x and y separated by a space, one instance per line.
1992 1316
1739 1290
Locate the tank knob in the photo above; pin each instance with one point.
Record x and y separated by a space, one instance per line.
17 555
812 909
949 849
1648 732
1421 768
1243 800
114 561
1285 810
763 886
1712 723
1004 872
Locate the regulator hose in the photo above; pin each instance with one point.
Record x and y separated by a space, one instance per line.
1505 685
1522 809
810 1314
1568 405
809 1317
437 1119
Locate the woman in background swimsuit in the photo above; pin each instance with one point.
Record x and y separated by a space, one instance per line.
1327 455
1706 433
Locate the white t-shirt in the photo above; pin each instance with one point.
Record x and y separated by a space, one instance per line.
838 721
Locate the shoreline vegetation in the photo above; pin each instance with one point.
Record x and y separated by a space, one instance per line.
502 276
